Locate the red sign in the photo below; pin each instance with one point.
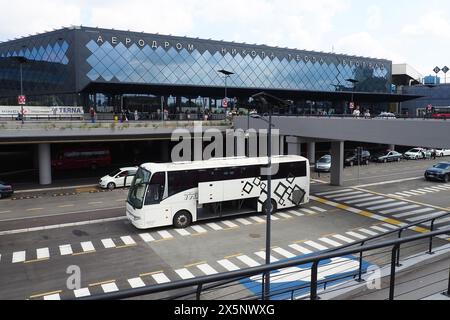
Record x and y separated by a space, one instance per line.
225 103
22 100
352 105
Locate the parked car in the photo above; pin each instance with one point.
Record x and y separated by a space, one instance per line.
6 190
386 115
352 159
440 171
324 164
417 153
388 156
118 179
440 152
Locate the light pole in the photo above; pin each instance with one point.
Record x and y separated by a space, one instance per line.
353 82
21 61
268 101
226 74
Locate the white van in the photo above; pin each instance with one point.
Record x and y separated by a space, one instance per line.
118 179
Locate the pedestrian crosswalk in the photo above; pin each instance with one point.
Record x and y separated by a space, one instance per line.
154 236
231 263
392 206
421 191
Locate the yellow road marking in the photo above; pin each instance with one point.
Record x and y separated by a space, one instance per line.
231 228
37 260
366 214
234 256
162 240
328 235
195 264
66 206
8 211
300 241
84 252
199 234
127 246
100 283
45 294
35 209
420 229
150 273
393 221
86 190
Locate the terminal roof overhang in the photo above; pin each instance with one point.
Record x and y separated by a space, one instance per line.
218 92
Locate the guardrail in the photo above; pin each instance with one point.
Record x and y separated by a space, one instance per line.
371 117
229 277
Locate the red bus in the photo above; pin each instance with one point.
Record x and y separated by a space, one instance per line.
441 112
80 158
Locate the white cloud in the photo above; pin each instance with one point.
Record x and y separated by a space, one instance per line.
432 23
374 18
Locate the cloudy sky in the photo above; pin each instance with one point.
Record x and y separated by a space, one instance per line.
411 31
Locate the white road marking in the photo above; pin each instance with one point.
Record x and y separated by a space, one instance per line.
182 232
262 255
136 283
53 297
307 211
403 195
258 219
334 192
389 205
352 197
214 226
160 278
296 213
300 249
390 226
129 241
411 193
248 261
284 253
207 269
342 238
319 209
316 245
228 265
330 242
370 233
356 235
379 229
199 229
418 191
230 224
370 198
349 194
108 243
65 250
184 274
19 256
399 209
146 237
110 287
83 292
366 204
43 253
166 235
284 215
274 218
427 216
87 246
411 213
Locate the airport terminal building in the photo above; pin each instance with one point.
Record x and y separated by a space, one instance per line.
111 69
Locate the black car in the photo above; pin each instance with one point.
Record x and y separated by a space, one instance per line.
440 171
6 190
352 159
388 156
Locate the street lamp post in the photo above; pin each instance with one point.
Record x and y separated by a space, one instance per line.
21 61
353 82
226 74
268 101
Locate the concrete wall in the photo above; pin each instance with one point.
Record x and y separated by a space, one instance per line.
410 132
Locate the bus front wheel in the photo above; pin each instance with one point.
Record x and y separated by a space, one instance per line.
182 219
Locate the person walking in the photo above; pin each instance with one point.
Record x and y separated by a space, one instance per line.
92 114
136 115
433 154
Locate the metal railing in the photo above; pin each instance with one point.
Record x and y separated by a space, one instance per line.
362 116
229 277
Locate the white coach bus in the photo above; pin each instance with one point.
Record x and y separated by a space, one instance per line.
179 194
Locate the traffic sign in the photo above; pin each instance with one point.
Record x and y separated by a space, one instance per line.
445 69
225 103
437 70
22 100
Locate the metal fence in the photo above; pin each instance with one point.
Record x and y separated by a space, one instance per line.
213 282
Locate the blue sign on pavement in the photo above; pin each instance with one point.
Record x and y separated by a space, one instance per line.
332 271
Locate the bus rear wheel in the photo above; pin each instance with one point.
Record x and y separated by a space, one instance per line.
182 219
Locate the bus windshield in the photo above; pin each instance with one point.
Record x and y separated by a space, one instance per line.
138 187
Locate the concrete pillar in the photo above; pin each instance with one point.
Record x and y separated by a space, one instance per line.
282 145
294 146
45 164
337 163
312 152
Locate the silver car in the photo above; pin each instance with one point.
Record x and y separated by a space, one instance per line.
324 164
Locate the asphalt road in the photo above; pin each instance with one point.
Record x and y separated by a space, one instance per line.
113 255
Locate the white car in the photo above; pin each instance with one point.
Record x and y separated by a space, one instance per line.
417 153
443 152
386 115
118 179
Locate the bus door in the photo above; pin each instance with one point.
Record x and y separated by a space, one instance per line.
157 214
